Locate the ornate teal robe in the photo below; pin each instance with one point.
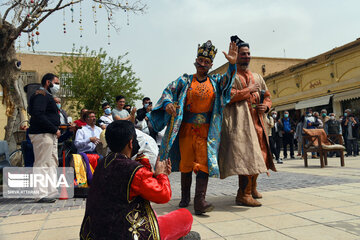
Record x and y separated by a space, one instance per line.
176 92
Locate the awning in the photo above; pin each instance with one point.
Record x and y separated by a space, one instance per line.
347 95
313 102
285 107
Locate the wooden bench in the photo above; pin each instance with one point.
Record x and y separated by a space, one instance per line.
316 140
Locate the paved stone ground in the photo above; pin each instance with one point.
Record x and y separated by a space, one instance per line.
227 187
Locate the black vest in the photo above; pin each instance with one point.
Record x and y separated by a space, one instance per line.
109 212
333 126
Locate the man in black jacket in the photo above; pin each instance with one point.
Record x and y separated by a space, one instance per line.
350 127
288 129
276 137
141 116
44 131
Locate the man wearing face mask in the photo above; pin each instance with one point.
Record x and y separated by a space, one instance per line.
107 118
288 126
311 122
350 125
44 130
192 107
333 126
63 115
275 139
324 117
244 146
141 116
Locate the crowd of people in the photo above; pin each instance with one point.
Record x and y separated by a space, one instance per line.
207 125
284 131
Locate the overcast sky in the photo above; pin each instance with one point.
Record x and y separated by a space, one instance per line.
162 43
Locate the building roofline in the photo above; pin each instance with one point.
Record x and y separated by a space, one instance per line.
315 60
254 57
47 53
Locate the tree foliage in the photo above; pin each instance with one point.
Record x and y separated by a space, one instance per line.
94 77
24 16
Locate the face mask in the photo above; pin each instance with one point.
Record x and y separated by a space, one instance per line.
136 147
146 105
332 117
286 115
107 111
340 119
58 105
324 114
55 89
309 114
345 114
274 115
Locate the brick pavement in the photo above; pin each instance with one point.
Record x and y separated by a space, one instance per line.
227 187
320 204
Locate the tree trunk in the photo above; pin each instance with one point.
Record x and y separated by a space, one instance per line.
13 93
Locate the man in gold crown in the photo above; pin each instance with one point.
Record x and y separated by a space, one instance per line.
244 148
191 107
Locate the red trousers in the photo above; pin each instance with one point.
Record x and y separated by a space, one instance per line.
175 224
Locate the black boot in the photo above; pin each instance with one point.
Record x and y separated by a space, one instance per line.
186 179
200 205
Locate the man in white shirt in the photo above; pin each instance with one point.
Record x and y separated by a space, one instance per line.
107 118
89 135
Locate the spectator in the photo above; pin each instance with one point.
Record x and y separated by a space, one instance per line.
318 120
88 136
143 120
269 124
81 121
107 118
147 107
299 133
44 131
333 126
276 137
63 115
324 117
288 126
119 113
311 122
350 126
127 107
67 129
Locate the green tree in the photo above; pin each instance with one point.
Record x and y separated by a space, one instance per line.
93 78
24 16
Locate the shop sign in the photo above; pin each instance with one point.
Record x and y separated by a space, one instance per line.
315 84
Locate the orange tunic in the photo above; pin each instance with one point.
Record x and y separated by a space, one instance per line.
252 99
193 137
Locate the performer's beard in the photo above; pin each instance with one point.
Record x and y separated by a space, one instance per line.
198 65
244 62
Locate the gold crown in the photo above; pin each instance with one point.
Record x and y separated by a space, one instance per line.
207 50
